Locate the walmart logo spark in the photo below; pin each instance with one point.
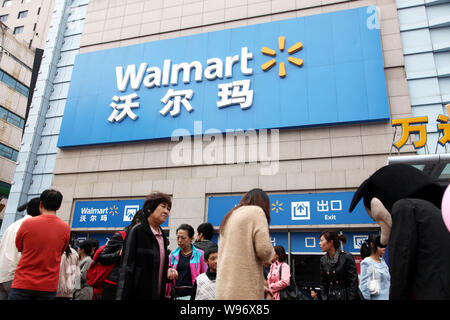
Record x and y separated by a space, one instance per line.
281 45
277 206
113 210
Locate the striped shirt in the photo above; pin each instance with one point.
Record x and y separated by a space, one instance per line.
206 288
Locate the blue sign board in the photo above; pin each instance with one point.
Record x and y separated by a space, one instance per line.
299 209
106 214
308 242
317 70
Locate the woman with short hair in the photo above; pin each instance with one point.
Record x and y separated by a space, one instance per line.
144 265
188 261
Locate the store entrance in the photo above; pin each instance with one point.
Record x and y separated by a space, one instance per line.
306 268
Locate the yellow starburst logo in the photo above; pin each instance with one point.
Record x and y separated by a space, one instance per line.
113 210
281 45
277 206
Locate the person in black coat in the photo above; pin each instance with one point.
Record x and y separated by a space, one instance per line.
406 203
143 274
338 273
111 254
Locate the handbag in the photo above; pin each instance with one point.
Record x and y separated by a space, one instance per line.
291 291
374 284
172 294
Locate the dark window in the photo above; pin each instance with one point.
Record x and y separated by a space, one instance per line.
18 30
10 81
4 114
4 17
13 83
21 89
22 14
8 152
12 118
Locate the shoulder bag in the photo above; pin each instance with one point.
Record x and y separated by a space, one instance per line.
291 291
374 284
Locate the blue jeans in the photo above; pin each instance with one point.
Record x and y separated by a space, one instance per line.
24 294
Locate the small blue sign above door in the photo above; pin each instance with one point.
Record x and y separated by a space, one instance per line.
106 214
299 209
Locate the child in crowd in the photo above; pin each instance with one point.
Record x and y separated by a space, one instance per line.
205 284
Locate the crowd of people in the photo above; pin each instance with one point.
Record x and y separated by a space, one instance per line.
37 261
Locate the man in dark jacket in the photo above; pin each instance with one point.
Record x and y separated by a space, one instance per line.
406 203
205 232
144 263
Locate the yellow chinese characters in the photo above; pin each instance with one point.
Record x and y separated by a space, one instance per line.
444 128
417 125
411 125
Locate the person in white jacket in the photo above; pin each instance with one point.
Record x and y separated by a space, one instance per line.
9 255
69 271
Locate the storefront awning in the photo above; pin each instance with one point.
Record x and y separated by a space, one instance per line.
435 165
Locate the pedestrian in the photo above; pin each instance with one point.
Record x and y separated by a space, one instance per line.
83 290
244 246
338 273
266 270
69 271
111 254
144 267
313 293
373 266
205 232
94 245
280 273
205 284
188 261
9 255
42 241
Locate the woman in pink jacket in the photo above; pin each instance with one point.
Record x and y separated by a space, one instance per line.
278 281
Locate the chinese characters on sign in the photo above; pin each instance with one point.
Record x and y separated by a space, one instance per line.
299 209
124 109
105 213
236 92
417 125
174 104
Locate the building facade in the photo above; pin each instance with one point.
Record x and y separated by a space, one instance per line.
16 65
105 161
28 20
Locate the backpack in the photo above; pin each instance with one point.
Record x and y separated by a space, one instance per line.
97 272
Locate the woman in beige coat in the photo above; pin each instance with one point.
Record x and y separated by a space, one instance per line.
244 245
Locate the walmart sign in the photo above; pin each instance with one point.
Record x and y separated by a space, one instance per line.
318 70
106 214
